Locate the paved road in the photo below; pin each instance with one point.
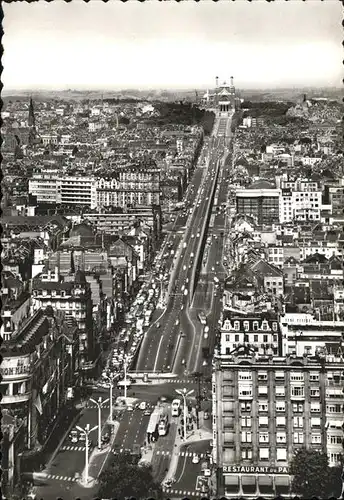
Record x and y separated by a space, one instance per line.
169 348
187 472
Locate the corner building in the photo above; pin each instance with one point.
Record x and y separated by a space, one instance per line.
264 409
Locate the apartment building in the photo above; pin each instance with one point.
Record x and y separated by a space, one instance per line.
265 407
261 204
71 294
38 370
130 186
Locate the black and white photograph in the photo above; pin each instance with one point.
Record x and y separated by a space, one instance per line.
172 216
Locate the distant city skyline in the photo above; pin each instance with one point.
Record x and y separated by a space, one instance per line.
152 45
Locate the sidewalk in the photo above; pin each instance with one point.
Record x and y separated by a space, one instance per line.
201 434
98 459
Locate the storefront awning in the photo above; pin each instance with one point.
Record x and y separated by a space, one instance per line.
248 480
282 481
231 480
265 481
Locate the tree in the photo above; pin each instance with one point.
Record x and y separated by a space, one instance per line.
310 471
124 479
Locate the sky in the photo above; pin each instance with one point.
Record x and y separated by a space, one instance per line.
168 45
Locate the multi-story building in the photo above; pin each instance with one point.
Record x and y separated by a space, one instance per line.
38 378
130 186
72 295
69 190
266 407
261 204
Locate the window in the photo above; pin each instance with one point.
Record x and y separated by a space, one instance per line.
263 437
297 391
262 375
274 326
246 437
228 338
316 438
298 437
255 326
245 376
314 377
265 325
334 439
245 391
315 422
315 407
298 422
236 325
296 377
263 406
255 338
262 390
246 454
280 390
297 408
265 338
246 326
245 406
281 454
264 453
335 458
279 375
246 421
263 421
281 437
237 338
314 392
280 406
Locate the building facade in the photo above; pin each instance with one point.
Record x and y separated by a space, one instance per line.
265 408
261 204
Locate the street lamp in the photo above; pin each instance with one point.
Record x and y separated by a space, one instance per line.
111 376
86 432
99 404
184 393
125 361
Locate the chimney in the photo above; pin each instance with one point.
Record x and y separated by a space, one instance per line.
217 81
232 81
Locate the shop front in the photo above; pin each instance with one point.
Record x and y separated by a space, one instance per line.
253 481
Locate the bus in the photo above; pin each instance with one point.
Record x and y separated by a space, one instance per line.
152 429
163 425
202 318
175 407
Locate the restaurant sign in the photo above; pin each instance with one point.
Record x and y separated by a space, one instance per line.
254 469
15 367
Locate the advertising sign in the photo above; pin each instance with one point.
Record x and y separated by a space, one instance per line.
255 469
15 367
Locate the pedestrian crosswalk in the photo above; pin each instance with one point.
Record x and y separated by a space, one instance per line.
182 493
73 448
181 453
58 478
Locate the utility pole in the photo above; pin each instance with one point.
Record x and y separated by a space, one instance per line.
99 404
184 393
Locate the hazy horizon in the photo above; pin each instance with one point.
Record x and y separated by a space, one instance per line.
118 46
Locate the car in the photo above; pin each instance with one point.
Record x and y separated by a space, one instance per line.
195 458
217 262
158 325
147 412
198 235
206 415
192 236
192 255
177 322
213 268
184 268
143 405
182 307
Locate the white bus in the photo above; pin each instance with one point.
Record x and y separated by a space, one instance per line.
163 425
175 407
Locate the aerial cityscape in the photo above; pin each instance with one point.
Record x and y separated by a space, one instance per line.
172 255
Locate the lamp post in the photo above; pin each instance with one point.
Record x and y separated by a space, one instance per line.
86 432
111 376
99 404
184 393
125 376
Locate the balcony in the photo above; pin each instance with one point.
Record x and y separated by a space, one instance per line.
18 398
